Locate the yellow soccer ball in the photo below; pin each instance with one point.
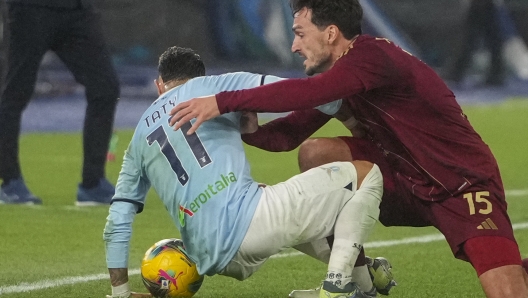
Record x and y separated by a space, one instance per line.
168 272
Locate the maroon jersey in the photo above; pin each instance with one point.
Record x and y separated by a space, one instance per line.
411 114
285 134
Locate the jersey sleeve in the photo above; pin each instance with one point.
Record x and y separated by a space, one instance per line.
131 186
330 108
287 133
117 233
129 199
364 68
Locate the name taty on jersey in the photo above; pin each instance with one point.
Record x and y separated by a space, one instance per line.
203 197
162 110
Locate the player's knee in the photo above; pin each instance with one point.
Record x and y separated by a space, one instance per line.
368 174
319 151
309 153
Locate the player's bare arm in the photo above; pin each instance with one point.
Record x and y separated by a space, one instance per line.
202 108
118 276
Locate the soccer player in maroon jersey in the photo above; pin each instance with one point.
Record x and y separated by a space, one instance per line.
437 170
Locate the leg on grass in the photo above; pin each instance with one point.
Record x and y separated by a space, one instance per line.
500 274
320 250
316 152
505 281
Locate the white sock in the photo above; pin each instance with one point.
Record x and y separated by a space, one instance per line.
353 226
342 262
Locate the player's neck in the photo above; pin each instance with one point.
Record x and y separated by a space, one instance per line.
345 46
174 83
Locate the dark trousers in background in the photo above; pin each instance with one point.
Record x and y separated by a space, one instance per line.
482 23
75 35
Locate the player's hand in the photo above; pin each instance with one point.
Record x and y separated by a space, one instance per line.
201 108
359 131
248 122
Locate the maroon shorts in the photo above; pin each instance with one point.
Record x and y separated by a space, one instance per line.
481 211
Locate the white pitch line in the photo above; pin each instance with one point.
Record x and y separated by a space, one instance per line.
404 241
44 284
516 193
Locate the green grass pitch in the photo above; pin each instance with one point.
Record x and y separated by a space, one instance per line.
56 250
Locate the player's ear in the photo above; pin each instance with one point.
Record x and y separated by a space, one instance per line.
332 33
160 86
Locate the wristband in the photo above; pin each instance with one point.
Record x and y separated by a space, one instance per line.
121 291
350 123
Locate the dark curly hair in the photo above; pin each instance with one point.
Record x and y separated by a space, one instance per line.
345 14
178 63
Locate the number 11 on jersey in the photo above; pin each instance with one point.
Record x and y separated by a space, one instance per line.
195 145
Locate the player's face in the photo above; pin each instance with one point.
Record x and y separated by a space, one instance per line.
311 43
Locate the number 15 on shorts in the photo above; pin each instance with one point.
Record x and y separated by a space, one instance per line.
478 202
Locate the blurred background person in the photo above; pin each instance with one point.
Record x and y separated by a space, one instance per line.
2 50
250 30
481 27
71 29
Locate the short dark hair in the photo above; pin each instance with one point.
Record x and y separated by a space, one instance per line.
345 14
178 63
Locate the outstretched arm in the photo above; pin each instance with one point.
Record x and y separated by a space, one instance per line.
366 67
283 96
117 237
128 200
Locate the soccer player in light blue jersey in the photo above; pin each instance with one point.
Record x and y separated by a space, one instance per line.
229 223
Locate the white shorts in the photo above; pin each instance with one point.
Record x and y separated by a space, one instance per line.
302 209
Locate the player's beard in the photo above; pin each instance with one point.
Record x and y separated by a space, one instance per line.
322 64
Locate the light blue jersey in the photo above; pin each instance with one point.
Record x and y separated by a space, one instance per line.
203 179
